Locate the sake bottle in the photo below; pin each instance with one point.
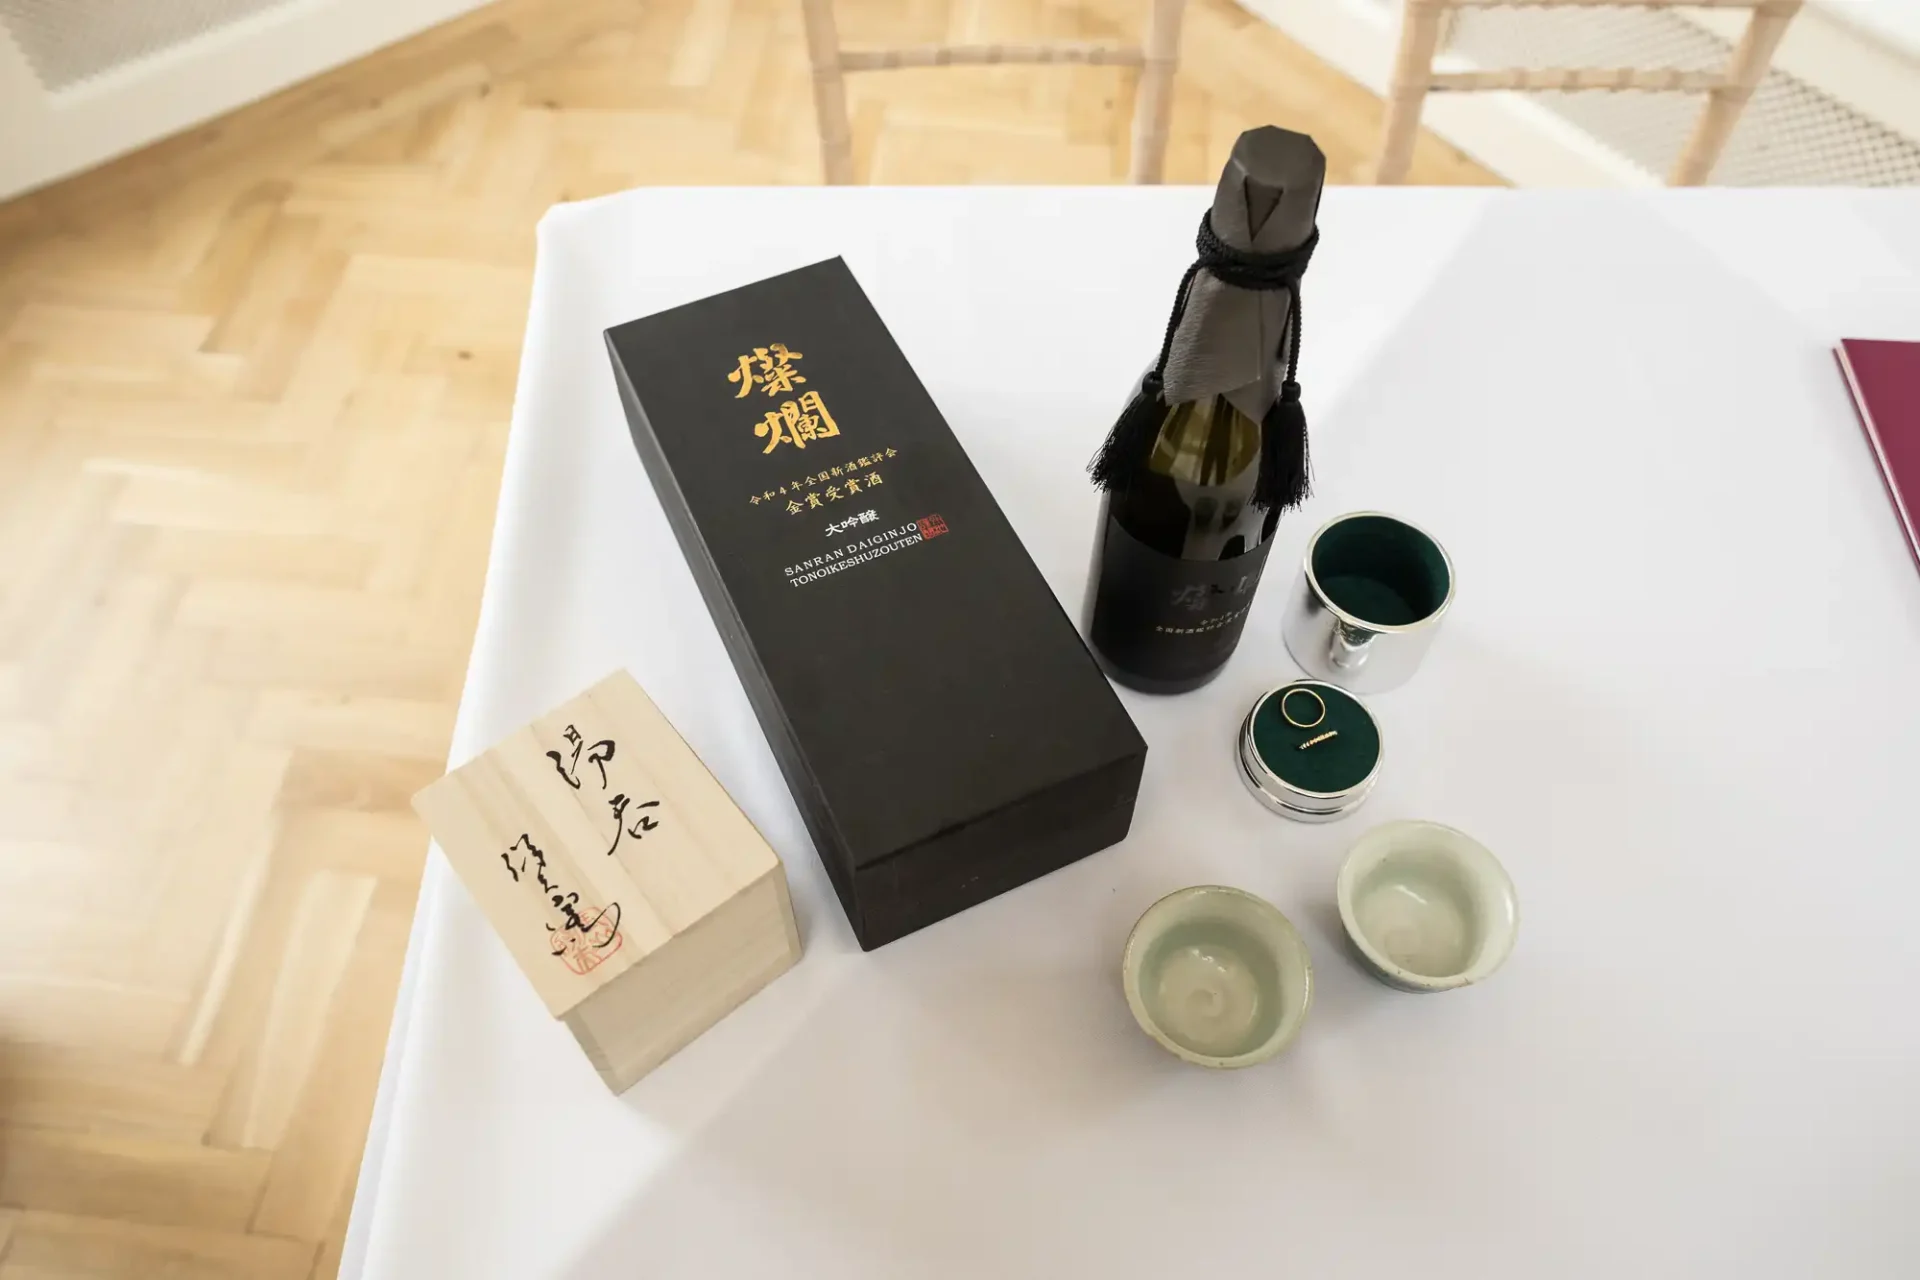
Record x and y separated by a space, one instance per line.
1212 447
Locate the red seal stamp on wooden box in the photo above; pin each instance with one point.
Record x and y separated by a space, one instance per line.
584 946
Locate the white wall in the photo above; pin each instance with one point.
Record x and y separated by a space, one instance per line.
1894 22
48 135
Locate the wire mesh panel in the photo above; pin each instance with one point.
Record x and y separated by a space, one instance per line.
1790 135
67 41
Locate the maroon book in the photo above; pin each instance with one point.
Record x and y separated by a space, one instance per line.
1885 380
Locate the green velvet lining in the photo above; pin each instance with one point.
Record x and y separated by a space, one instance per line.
1333 766
1380 570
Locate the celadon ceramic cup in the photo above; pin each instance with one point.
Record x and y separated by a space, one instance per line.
1427 907
1217 976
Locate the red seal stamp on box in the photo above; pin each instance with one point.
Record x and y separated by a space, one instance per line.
582 948
932 526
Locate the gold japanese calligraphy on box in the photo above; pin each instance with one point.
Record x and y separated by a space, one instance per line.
843 480
798 421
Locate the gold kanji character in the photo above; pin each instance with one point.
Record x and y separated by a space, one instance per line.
815 417
775 375
767 495
776 369
853 486
813 499
755 499
873 480
797 426
890 453
833 491
774 428
744 376
796 423
793 508
838 470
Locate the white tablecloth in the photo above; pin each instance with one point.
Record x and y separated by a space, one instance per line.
1678 695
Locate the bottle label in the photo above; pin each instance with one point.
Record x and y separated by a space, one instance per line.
1165 618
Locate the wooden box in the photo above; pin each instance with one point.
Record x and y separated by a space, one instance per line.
637 898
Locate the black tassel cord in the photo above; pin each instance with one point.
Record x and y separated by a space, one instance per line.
1284 472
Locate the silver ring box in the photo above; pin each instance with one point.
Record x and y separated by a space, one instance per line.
1293 782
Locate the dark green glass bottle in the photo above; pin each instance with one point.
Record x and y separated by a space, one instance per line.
1212 447
1180 551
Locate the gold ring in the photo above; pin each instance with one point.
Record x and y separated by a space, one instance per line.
1302 724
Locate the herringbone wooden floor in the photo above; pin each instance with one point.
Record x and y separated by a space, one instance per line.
253 392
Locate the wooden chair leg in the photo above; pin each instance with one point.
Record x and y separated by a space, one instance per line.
1412 70
829 92
1155 106
1745 71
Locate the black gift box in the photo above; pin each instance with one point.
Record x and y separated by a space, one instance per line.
943 729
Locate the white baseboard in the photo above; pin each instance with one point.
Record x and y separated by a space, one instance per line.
49 135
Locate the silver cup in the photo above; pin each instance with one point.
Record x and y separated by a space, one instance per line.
1369 601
